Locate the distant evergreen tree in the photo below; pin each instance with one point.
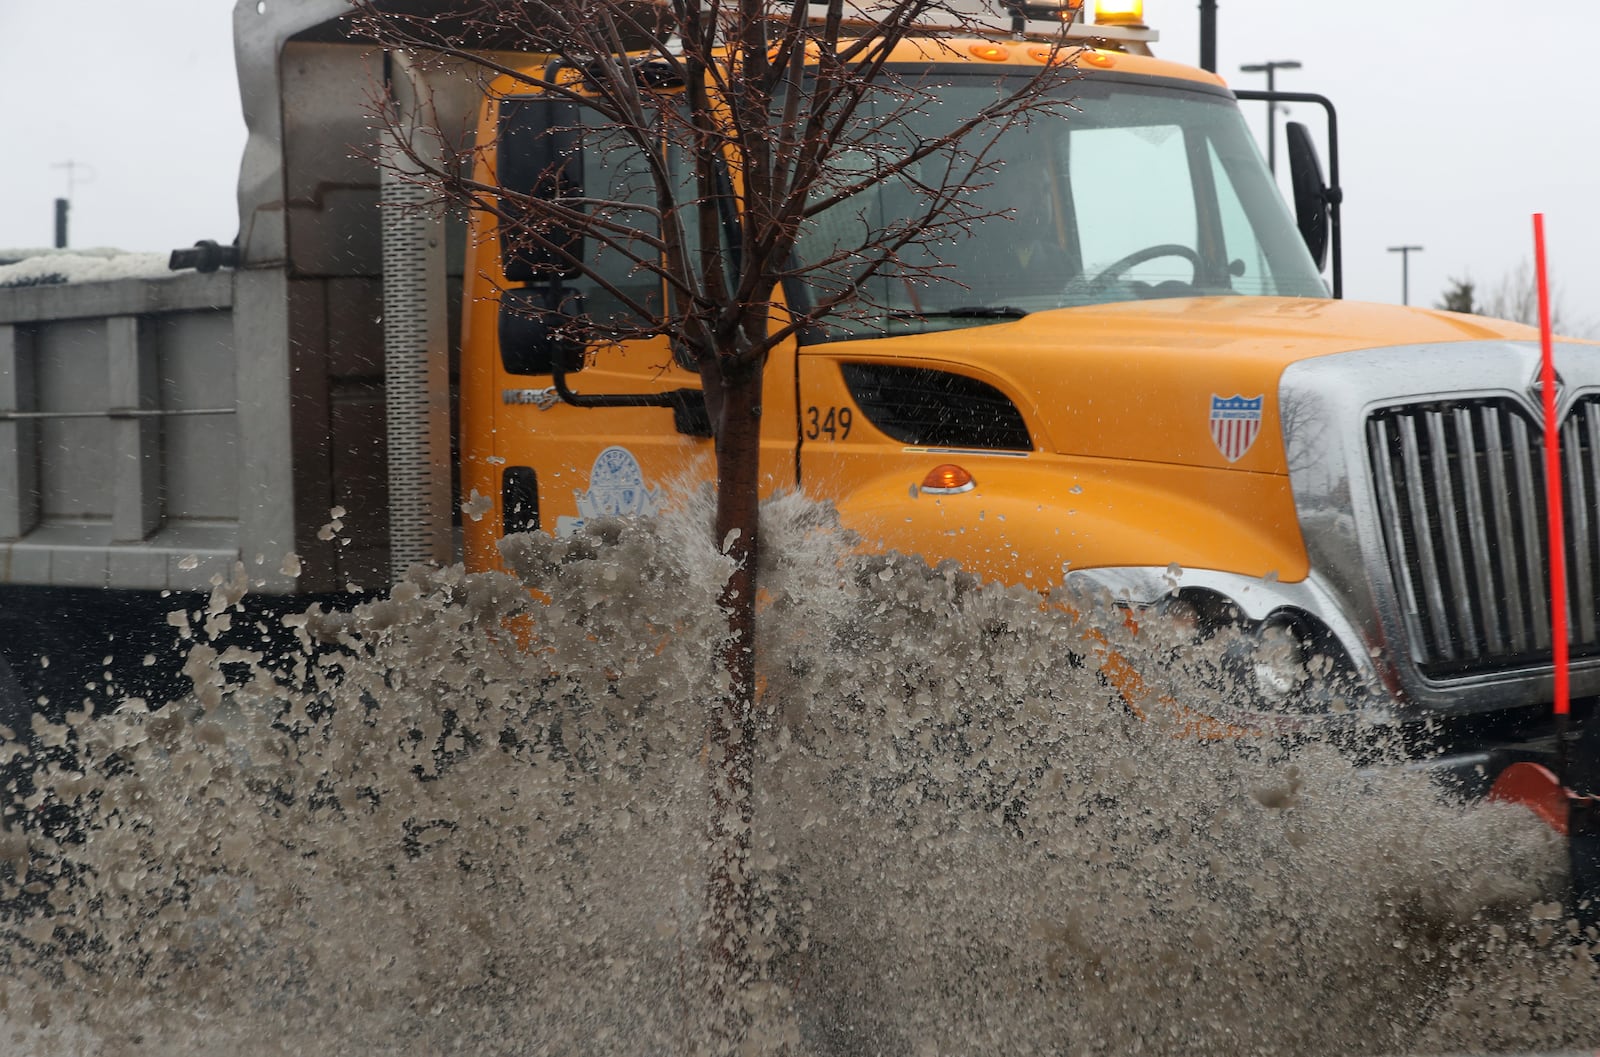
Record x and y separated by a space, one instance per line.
1458 297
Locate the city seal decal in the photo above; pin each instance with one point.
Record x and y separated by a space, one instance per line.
1235 423
616 489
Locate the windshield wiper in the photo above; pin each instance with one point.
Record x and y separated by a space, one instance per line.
966 312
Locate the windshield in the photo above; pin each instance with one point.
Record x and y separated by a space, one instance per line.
1140 191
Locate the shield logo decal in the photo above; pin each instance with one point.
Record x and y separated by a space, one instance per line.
1235 423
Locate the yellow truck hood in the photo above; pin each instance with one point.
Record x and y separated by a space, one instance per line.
1136 380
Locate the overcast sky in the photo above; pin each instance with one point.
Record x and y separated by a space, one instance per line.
1458 120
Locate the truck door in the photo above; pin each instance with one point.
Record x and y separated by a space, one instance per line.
542 463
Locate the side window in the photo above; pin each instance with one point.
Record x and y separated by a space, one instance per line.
831 235
1131 191
686 195
555 151
1240 245
617 173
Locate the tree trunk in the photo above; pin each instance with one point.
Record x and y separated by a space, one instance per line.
730 724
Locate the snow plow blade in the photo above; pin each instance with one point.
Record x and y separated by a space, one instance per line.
1572 809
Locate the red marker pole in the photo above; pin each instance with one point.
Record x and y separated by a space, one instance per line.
1553 504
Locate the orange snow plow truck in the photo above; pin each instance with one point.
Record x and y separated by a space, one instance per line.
1179 408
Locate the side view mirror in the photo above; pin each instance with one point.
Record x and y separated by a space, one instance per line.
1310 192
538 155
535 329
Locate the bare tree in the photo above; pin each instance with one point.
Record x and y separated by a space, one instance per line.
740 133
1516 298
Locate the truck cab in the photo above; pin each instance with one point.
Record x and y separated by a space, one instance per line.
1129 376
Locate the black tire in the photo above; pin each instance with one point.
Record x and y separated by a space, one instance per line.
16 714
16 769
1583 825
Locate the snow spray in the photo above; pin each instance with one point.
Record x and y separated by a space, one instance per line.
463 819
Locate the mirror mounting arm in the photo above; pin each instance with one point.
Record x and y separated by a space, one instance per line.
1333 194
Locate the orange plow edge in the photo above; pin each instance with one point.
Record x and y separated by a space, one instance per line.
1573 814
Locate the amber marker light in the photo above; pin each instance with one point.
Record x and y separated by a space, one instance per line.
1051 55
1119 12
948 479
1103 59
991 52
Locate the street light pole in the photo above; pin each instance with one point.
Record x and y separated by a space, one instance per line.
1271 69
1405 253
64 205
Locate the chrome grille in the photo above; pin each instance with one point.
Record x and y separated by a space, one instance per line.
1460 493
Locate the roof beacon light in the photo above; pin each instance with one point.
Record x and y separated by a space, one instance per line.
947 479
1045 10
1119 13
